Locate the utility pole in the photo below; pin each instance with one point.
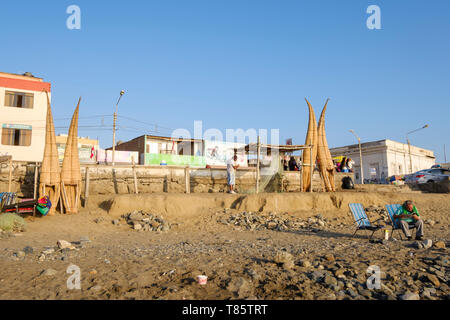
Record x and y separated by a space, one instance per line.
360 157
409 146
114 127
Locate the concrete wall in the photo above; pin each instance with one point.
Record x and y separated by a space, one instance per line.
35 117
119 180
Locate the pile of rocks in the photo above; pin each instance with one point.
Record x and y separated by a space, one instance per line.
271 221
145 221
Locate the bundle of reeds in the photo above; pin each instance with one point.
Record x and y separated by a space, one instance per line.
50 179
308 154
70 172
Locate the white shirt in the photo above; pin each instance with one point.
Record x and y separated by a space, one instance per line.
230 165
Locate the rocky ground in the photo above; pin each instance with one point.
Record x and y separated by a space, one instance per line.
246 255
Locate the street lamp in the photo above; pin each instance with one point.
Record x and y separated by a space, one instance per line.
114 126
360 156
409 146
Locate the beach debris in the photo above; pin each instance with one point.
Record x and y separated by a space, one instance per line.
146 221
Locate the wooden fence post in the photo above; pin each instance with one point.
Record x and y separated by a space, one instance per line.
134 177
187 179
86 187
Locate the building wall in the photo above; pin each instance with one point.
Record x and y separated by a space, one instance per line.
34 118
385 158
137 144
85 146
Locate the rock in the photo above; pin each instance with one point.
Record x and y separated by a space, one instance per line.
240 287
305 263
329 257
430 222
365 293
427 243
48 251
49 272
271 225
410 296
317 276
321 223
63 244
433 279
137 226
115 221
439 245
330 281
41 257
93 272
352 293
20 254
28 250
95 288
339 273
135 216
285 259
165 227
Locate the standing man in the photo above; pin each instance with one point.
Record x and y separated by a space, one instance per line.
231 173
407 216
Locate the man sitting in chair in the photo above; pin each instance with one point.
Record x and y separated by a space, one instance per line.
409 217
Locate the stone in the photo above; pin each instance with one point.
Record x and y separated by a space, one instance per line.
115 221
321 223
410 296
48 251
305 263
93 272
95 288
49 272
365 293
330 281
427 243
20 254
165 227
28 250
329 257
63 244
135 216
41 257
439 245
433 279
340 273
316 275
137 226
352 293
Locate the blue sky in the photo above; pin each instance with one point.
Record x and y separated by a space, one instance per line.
240 64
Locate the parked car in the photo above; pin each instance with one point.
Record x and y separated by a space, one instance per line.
412 177
432 175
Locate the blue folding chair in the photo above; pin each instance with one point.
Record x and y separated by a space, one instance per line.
361 219
392 210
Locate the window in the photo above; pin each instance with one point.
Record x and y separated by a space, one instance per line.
16 137
19 99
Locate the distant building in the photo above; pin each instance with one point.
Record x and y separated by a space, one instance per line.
157 150
23 111
385 158
165 150
87 148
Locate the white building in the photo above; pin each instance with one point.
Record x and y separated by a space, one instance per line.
23 111
385 158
